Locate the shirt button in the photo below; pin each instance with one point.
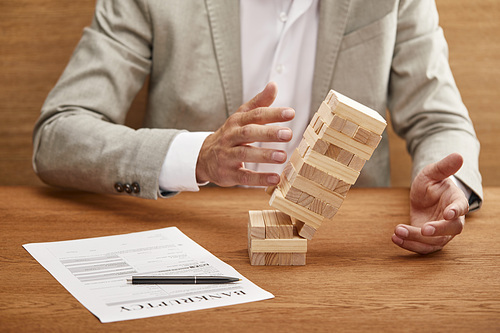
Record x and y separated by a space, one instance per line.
280 69
283 17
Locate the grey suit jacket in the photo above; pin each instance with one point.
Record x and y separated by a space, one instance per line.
386 54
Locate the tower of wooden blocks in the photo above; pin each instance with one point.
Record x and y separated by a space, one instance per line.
340 138
273 239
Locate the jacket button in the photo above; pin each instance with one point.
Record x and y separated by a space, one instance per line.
135 187
118 187
127 188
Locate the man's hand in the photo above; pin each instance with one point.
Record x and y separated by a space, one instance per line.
223 154
437 208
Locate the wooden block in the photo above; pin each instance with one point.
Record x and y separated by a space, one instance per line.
368 138
308 171
333 151
342 188
332 167
329 211
296 157
316 191
329 118
278 259
337 123
357 113
361 135
294 195
272 259
328 181
329 97
317 126
295 245
345 157
320 146
338 140
256 224
257 259
312 173
285 225
270 189
287 170
285 259
343 141
294 210
373 140
290 193
317 206
314 119
271 223
357 163
302 148
304 230
314 142
349 128
298 259
305 199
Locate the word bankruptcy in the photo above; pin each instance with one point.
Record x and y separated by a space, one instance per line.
181 301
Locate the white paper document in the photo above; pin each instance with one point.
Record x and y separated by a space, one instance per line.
95 270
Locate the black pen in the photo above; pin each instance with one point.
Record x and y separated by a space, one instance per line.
181 279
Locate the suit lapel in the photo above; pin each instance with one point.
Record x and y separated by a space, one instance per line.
224 18
332 23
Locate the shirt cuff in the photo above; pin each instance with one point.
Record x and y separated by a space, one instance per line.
178 172
467 191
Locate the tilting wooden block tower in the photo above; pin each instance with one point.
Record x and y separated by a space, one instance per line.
340 138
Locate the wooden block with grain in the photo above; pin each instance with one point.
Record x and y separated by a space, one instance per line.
271 224
304 230
356 112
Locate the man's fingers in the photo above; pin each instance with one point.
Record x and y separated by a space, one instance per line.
260 133
264 115
411 233
414 246
446 167
245 153
265 98
444 228
410 238
252 178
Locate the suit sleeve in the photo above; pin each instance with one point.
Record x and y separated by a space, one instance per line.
80 140
425 104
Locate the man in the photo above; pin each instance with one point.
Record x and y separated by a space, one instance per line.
205 57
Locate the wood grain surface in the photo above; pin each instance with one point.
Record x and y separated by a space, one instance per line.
355 279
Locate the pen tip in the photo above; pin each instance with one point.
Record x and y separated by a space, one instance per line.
129 280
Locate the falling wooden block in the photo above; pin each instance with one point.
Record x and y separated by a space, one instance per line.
295 210
304 230
349 128
316 190
332 167
357 163
356 112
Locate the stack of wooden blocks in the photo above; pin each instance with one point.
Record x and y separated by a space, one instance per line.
340 138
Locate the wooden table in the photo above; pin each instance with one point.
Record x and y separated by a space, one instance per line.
355 278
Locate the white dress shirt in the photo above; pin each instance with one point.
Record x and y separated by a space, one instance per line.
278 43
